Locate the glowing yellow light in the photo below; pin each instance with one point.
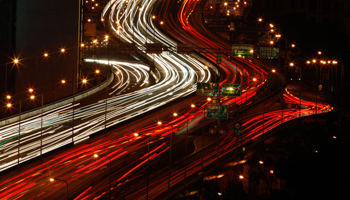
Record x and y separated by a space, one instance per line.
46 54
208 99
63 81
63 50
84 81
136 134
9 105
30 90
159 123
52 179
273 70
254 79
293 45
291 64
32 97
260 19
95 155
175 114
16 61
192 105
241 177
8 97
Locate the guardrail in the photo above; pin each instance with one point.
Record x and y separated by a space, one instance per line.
62 102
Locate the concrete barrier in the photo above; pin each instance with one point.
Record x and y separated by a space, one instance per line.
54 105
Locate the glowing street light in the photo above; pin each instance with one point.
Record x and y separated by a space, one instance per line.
63 50
260 19
175 114
291 64
293 45
193 106
153 16
273 70
136 134
32 97
159 123
241 177
30 90
46 55
16 61
319 52
97 71
8 97
84 81
63 81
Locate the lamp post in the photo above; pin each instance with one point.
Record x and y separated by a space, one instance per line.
19 131
53 179
110 166
149 141
170 149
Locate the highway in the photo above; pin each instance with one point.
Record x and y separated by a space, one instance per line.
122 152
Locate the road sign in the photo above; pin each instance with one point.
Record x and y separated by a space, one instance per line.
269 52
231 90
207 89
184 48
154 48
237 128
242 50
215 111
232 26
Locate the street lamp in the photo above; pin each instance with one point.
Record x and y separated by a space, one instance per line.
170 150
148 156
110 166
54 179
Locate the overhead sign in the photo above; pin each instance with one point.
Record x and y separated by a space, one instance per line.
231 90
215 111
269 52
207 89
155 48
184 48
242 50
127 48
232 26
237 128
